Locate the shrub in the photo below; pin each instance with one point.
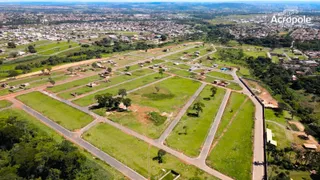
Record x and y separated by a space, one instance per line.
156 118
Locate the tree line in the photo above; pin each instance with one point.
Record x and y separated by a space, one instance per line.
280 82
28 153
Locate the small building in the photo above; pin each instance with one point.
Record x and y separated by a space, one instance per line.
92 84
4 85
128 73
269 137
24 85
310 146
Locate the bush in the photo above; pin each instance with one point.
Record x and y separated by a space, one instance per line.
156 118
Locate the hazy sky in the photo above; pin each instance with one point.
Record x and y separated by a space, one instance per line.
159 0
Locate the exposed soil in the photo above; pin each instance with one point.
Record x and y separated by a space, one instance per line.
263 94
298 124
141 113
311 139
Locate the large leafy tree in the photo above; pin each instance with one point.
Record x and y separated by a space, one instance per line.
198 107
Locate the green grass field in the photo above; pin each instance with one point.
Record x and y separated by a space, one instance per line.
137 66
190 53
75 83
4 104
182 73
114 80
220 75
234 103
137 154
181 66
63 114
280 135
173 94
189 140
33 78
88 100
233 153
256 53
101 169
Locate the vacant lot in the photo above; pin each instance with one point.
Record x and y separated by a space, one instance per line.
180 66
137 154
73 84
182 73
172 95
4 104
233 153
137 66
102 84
234 103
89 100
220 75
191 131
55 110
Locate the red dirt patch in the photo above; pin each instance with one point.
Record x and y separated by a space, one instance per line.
263 94
141 113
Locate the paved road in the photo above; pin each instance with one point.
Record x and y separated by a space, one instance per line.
289 58
207 144
258 145
82 143
173 124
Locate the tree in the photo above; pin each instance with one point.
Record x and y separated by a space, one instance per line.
159 156
31 49
163 37
213 91
70 69
104 100
157 88
1 62
13 73
122 92
49 69
127 68
109 69
126 102
11 45
13 54
53 82
161 70
198 107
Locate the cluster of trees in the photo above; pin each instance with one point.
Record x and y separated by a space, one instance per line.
279 81
269 41
313 45
110 102
31 49
11 45
293 159
27 153
231 55
311 84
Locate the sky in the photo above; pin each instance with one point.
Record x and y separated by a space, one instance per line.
160 0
